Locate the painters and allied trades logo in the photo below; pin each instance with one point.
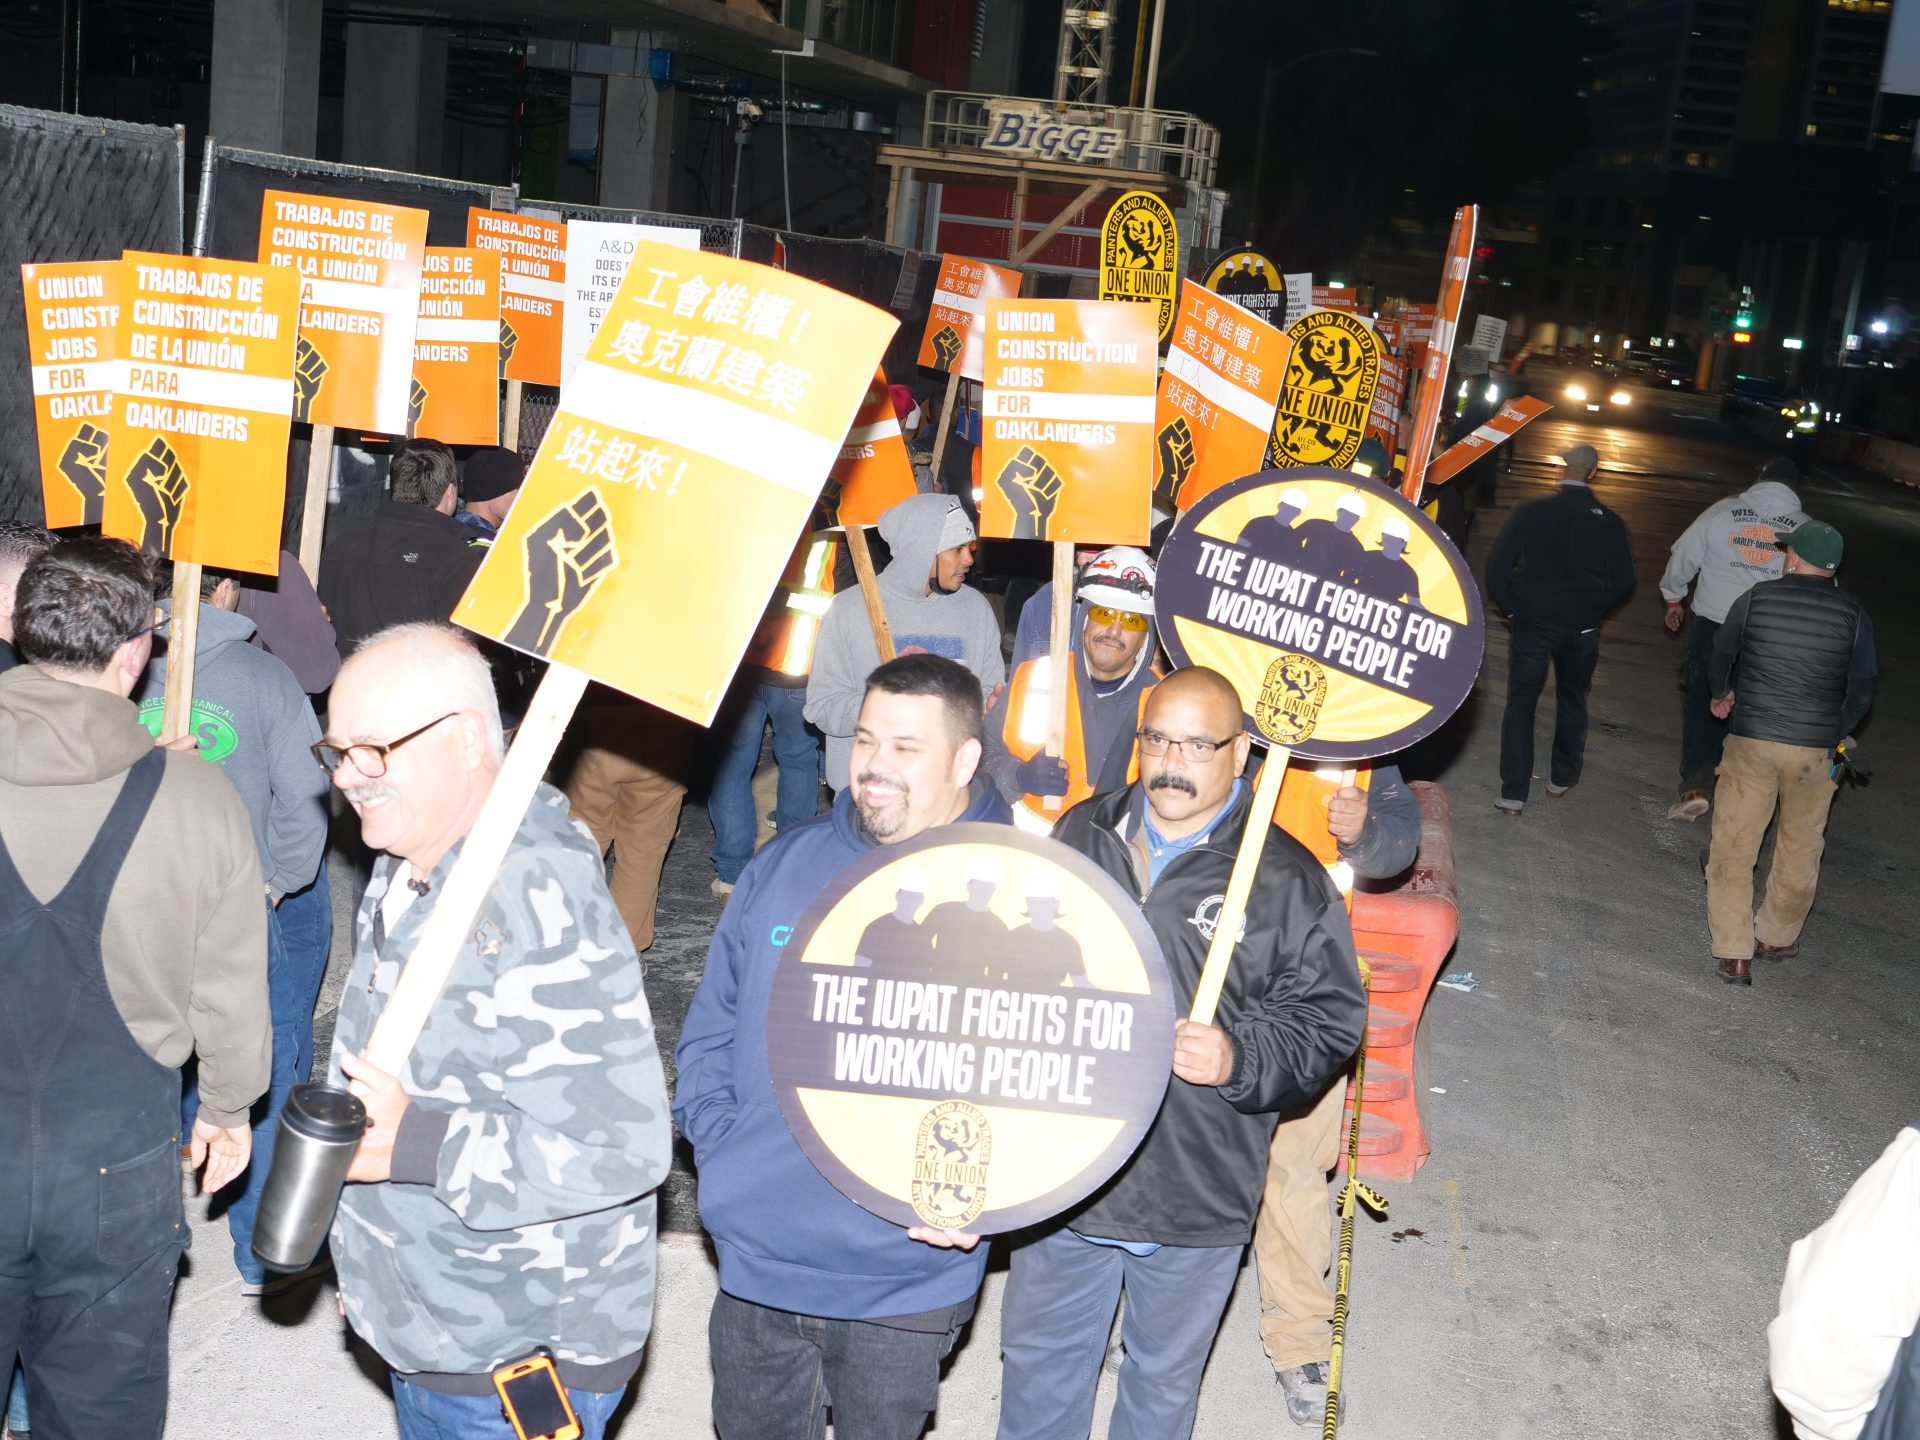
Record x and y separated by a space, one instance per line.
952 1153
1328 393
1290 699
1140 254
971 1029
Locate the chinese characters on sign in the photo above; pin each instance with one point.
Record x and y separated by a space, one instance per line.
1217 396
960 297
598 256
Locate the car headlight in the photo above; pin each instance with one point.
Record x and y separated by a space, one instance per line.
1576 392
1619 397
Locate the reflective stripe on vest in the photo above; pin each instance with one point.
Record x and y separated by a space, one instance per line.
1029 698
785 639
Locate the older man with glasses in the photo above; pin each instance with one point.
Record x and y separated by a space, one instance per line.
1170 1229
1112 662
503 1196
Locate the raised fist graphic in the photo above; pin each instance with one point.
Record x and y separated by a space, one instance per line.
1032 487
509 337
416 402
84 464
1176 457
946 348
159 488
309 373
567 554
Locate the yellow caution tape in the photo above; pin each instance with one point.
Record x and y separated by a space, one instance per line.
1350 1193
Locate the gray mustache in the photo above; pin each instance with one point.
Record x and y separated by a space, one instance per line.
371 791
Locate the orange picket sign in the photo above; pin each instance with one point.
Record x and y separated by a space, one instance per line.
1439 352
1335 297
456 348
1389 399
1217 395
73 313
533 274
1068 415
687 426
960 298
200 426
359 267
874 471
1505 424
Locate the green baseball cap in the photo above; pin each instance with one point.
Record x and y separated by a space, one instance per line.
1815 542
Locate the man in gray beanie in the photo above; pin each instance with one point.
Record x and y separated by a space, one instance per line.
929 609
1559 566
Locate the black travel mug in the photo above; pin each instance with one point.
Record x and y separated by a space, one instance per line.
320 1128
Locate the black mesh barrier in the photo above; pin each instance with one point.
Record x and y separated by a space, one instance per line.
71 188
234 181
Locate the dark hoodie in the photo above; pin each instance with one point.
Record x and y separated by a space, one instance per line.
960 626
785 1237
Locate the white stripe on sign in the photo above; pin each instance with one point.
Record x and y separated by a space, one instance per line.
954 300
78 378
879 430
1240 403
689 419
444 329
183 386
1052 405
531 285
351 295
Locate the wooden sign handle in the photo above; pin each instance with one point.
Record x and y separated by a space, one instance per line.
472 875
946 415
1233 910
183 644
313 513
870 591
1060 648
510 430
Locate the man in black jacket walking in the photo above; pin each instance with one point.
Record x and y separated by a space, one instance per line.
1558 567
1170 1228
1804 654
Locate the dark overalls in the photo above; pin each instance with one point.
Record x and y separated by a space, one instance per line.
91 1222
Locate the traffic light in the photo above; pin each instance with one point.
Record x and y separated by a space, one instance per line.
1743 337
1743 320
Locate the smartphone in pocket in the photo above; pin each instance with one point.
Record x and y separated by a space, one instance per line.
534 1400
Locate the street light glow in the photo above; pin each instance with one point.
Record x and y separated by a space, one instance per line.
1879 327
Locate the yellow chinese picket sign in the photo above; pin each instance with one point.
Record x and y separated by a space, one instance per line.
689 448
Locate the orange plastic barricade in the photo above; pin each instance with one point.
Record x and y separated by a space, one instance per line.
1404 934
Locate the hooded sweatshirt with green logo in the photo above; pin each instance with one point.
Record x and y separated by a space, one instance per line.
254 721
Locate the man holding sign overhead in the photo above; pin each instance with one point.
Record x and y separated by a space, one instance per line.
1170 1229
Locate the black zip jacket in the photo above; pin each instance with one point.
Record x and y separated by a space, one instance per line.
1564 559
1293 1007
409 563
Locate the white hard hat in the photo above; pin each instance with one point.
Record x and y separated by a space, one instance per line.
983 870
1395 525
1293 495
1043 883
1352 504
1121 577
912 879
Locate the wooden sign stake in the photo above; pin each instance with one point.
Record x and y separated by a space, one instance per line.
451 921
510 432
1060 648
183 644
1233 910
870 591
313 513
946 415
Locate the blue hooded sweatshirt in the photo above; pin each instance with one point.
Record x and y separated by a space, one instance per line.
786 1238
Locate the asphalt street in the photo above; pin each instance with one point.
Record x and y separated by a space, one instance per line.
1623 1147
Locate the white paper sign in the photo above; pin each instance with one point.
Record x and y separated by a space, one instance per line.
598 255
1489 334
1299 296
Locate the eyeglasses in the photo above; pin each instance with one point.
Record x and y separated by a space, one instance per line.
160 621
1200 751
369 758
1106 615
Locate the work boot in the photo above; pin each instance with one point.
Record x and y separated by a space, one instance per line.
1305 1387
1558 790
1510 808
721 888
1775 952
1691 805
1734 972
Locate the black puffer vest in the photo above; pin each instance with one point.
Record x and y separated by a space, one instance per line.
1794 657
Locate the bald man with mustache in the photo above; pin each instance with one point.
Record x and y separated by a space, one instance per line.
1170 1228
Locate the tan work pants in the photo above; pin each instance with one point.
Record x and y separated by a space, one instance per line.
1293 1235
1755 777
628 777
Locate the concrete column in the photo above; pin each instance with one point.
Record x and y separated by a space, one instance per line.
266 75
637 143
393 113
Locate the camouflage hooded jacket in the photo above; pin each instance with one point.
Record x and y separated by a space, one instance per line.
522 1208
